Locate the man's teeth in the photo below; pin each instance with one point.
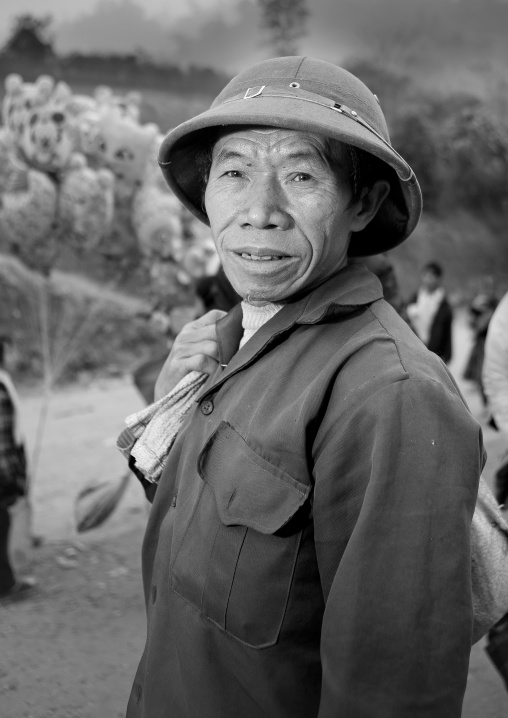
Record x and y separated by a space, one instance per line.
263 258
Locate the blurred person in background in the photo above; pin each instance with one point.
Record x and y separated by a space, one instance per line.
286 570
481 310
429 312
495 383
13 473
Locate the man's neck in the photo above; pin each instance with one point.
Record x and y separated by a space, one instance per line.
255 315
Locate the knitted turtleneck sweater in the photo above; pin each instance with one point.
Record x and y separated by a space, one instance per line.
255 316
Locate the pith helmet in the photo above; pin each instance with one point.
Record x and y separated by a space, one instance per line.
300 93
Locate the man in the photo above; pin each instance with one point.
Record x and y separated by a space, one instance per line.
481 309
430 313
495 382
307 552
12 475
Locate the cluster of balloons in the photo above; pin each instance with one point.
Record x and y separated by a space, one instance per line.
70 164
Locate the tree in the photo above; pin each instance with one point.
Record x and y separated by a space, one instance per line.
284 22
414 136
475 148
30 38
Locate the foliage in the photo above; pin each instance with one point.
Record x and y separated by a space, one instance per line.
30 38
284 22
392 87
475 148
457 143
413 134
458 148
120 71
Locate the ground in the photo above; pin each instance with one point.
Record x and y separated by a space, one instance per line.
72 651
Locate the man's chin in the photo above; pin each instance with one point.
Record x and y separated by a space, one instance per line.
260 295
277 290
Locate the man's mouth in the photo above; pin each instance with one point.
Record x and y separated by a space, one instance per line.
261 257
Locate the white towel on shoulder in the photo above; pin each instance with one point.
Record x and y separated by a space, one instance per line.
151 432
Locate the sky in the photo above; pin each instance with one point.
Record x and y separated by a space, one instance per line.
225 33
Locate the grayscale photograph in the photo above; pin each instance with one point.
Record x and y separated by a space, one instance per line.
254 359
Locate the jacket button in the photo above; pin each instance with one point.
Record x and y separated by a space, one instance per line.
207 407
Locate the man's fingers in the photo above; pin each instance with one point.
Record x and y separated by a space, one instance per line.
183 358
170 376
194 349
211 317
202 362
187 350
191 334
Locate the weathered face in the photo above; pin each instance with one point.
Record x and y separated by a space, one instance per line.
280 215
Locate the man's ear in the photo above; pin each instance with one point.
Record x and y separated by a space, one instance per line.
367 207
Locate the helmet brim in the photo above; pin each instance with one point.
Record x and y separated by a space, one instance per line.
399 212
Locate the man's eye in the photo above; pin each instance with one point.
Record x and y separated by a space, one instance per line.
302 177
232 173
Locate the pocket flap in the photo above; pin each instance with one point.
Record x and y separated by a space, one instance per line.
248 489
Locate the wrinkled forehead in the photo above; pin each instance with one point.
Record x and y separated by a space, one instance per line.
265 138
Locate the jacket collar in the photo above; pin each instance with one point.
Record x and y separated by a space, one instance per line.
347 291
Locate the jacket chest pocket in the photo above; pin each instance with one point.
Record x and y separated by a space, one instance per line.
236 560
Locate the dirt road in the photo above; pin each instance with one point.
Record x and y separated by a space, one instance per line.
72 652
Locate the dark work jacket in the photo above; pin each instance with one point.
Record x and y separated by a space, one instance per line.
307 552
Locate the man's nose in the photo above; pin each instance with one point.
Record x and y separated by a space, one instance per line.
265 204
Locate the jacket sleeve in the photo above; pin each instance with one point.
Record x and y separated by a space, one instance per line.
396 478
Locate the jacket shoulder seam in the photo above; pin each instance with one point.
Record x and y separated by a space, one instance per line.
391 338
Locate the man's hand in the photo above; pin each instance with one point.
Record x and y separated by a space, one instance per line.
194 349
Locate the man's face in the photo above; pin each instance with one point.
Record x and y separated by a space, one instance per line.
280 215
